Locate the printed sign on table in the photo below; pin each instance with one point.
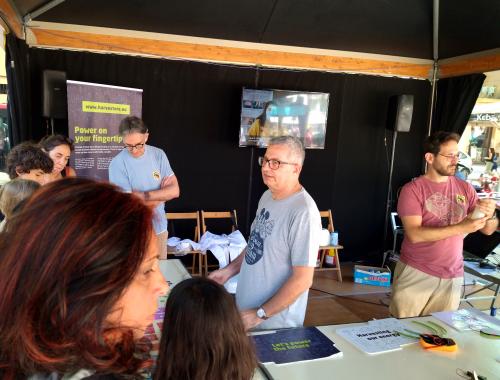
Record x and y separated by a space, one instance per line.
294 345
377 336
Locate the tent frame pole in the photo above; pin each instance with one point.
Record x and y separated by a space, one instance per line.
435 57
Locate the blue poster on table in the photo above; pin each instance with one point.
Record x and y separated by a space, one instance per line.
294 345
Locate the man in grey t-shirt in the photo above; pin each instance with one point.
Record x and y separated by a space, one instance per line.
277 268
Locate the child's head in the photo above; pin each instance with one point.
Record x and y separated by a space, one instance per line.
29 161
15 191
203 335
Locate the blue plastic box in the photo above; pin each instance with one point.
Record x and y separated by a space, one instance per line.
372 275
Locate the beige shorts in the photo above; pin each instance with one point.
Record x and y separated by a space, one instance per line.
162 244
415 293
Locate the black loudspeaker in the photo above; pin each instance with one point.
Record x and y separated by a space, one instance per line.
54 94
400 113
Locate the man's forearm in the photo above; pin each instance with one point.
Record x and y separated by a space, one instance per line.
169 189
221 276
426 234
299 282
234 267
163 195
490 227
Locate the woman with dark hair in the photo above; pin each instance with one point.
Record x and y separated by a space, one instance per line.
203 335
261 125
491 161
59 149
79 281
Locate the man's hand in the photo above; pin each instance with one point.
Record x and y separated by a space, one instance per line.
250 319
149 203
488 206
220 276
139 194
472 225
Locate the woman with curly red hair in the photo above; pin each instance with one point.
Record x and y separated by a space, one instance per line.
79 280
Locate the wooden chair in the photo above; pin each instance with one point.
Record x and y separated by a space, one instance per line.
397 230
194 216
324 250
217 215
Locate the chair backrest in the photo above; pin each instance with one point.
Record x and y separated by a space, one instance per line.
187 216
396 222
328 214
230 215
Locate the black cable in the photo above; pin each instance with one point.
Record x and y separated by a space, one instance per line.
265 372
264 30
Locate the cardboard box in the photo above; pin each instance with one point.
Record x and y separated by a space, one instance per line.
372 275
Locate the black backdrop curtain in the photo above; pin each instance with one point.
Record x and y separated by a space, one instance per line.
455 100
192 110
17 67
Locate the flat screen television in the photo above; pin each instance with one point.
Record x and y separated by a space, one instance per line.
271 113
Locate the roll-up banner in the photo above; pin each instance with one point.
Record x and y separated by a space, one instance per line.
94 114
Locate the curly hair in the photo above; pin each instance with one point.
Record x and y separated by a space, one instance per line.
60 279
26 157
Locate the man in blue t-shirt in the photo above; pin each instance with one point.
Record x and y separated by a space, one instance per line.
145 171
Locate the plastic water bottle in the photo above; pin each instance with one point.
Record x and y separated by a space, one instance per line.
334 238
477 213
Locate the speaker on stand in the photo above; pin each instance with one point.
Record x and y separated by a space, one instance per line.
399 120
54 99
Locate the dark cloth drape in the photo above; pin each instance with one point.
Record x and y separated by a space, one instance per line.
454 103
17 67
193 112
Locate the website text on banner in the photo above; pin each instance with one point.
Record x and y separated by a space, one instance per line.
94 113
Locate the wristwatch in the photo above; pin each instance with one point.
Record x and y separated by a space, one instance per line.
261 313
146 195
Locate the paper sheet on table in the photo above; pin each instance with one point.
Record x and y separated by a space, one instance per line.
378 336
467 319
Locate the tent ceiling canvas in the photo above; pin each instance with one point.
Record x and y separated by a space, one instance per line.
388 27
